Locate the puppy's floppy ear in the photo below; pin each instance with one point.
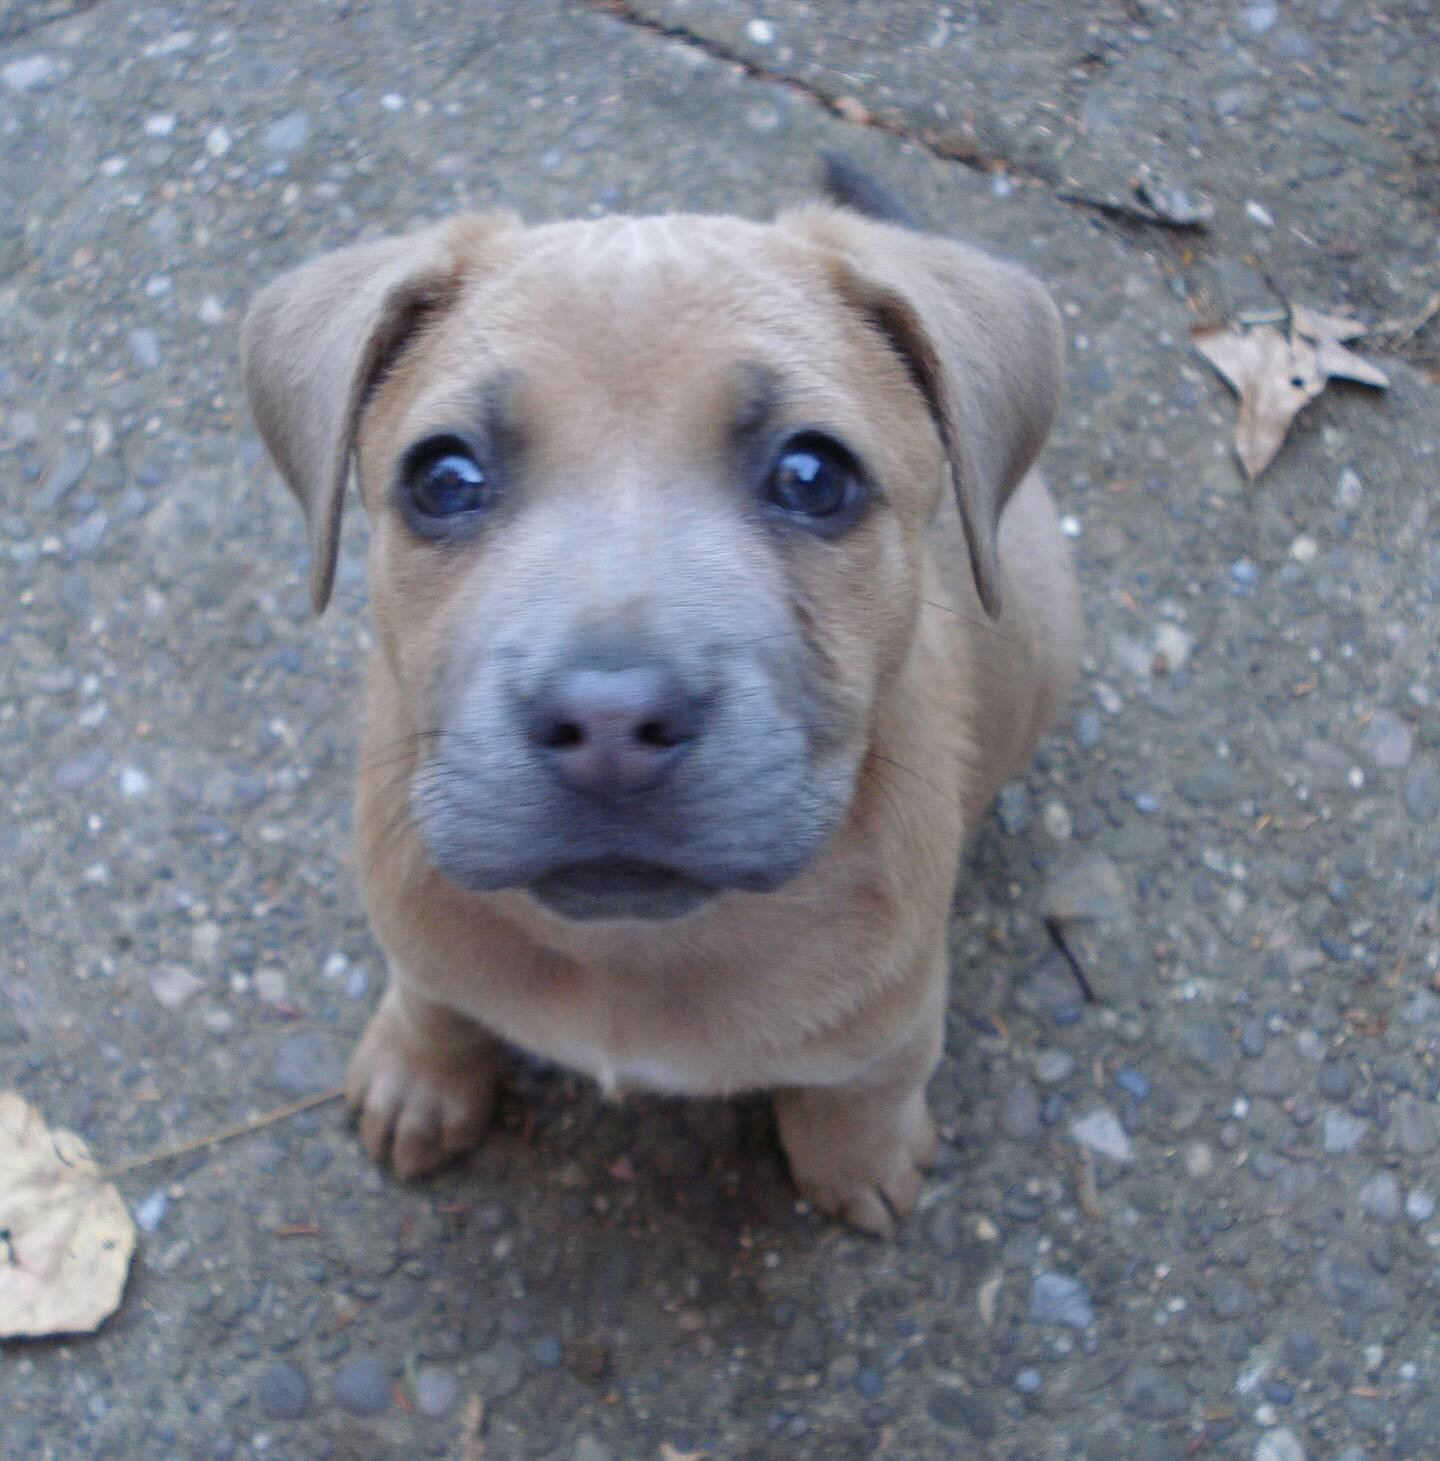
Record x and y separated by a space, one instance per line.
983 342
315 342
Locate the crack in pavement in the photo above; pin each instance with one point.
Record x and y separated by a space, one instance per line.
957 144
21 29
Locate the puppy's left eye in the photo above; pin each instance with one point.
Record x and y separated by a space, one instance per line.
814 477
442 479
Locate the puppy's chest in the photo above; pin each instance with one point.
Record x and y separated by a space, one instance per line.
630 1040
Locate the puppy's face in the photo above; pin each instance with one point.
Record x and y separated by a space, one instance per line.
646 508
648 501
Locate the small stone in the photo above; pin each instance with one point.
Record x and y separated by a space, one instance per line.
30 73
959 1409
306 1063
1012 806
1279 1445
1102 1132
1229 1298
1055 819
1207 1045
1336 1080
133 782
1152 1394
1388 740
1414 1125
499 1370
1019 1117
288 134
1056 1298
218 141
1421 791
1293 45
70 466
547 1352
1199 1161
174 986
1277 1074
591 1448
1252 1038
1350 491
361 1385
1260 17
760 31
150 1210
436 1391
1028 1382
284 1392
1419 1206
162 124
145 347
1133 1082
1087 889
79 771
1380 1198
1088 730
1172 646
271 986
1341 1132
1053 1066
1351 1287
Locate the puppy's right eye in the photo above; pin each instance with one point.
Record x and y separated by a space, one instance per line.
442 479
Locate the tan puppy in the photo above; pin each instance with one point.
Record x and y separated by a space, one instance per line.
713 602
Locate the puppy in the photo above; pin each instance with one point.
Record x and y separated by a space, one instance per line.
714 597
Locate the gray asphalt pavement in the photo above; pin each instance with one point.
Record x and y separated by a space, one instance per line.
1195 1219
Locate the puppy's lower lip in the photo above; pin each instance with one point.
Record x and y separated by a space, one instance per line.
619 888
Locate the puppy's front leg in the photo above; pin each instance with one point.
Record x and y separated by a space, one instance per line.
422 1080
859 1151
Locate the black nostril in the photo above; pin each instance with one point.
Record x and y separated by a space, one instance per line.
656 733
615 728
566 733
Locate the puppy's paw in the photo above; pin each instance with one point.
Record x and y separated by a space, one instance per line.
422 1083
863 1164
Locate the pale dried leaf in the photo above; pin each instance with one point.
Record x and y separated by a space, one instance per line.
1326 333
65 1234
1273 377
1276 373
1320 327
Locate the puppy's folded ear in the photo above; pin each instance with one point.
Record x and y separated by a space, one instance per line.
982 341
316 341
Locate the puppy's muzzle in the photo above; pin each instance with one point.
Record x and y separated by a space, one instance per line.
614 730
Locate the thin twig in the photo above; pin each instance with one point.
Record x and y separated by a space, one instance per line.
1057 937
226 1133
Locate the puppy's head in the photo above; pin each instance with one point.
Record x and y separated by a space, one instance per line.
648 500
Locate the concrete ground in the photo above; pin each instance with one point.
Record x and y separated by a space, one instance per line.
1198 1218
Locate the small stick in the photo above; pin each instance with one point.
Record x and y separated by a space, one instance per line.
1057 937
226 1133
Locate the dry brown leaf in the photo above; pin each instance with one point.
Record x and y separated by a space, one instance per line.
65 1234
1276 372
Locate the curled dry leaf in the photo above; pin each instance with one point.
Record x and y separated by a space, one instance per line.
65 1234
1276 368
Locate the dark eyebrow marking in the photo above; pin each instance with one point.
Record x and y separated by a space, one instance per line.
757 399
496 408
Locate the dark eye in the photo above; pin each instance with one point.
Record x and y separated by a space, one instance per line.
814 477
444 480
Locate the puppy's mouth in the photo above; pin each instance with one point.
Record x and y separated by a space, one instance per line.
619 887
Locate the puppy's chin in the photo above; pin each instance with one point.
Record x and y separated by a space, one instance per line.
614 888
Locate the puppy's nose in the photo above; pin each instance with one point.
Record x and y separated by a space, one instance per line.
613 731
